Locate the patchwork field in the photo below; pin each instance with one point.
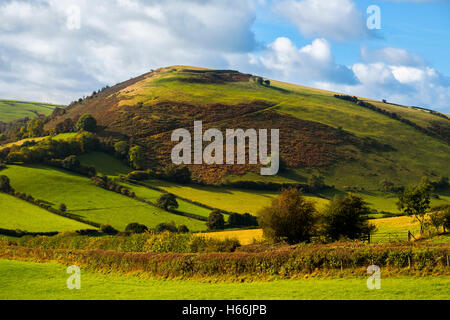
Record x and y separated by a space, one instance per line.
104 163
233 200
12 110
388 229
83 198
19 214
44 281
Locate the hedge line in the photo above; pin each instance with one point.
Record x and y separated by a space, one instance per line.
281 263
146 242
21 233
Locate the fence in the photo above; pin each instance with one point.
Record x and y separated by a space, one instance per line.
383 237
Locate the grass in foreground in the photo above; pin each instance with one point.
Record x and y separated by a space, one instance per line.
40 281
19 214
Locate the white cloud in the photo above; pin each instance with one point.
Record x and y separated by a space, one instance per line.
390 55
115 40
413 86
314 62
338 20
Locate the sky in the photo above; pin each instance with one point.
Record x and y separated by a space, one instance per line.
59 50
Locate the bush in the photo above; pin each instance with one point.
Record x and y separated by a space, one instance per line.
136 228
242 220
290 217
346 217
139 175
107 229
5 185
215 221
62 207
170 227
183 229
167 201
136 157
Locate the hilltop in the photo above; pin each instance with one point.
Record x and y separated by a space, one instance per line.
346 142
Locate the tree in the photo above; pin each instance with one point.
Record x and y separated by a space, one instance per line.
5 185
316 182
387 185
177 174
62 207
437 219
415 201
446 223
136 157
215 221
35 128
167 201
290 217
86 123
121 148
109 230
346 217
136 228
183 229
164 226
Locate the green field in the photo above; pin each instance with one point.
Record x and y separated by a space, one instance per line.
19 214
104 163
233 200
12 110
42 281
83 198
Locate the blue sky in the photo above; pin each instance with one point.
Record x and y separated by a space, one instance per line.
59 50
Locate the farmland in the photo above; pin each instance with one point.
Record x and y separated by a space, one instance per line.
84 199
25 216
12 110
233 200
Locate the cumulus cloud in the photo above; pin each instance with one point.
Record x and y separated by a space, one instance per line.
408 85
313 62
45 48
338 20
393 56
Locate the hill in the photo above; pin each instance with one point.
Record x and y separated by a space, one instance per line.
349 144
13 110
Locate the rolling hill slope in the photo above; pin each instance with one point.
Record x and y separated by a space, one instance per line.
92 203
13 110
349 144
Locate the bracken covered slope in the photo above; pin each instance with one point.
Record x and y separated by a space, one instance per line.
347 143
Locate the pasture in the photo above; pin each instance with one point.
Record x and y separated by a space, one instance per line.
229 199
47 281
13 110
84 199
19 214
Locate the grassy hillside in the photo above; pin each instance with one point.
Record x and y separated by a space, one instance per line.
233 200
104 163
19 214
83 198
44 281
12 110
347 143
